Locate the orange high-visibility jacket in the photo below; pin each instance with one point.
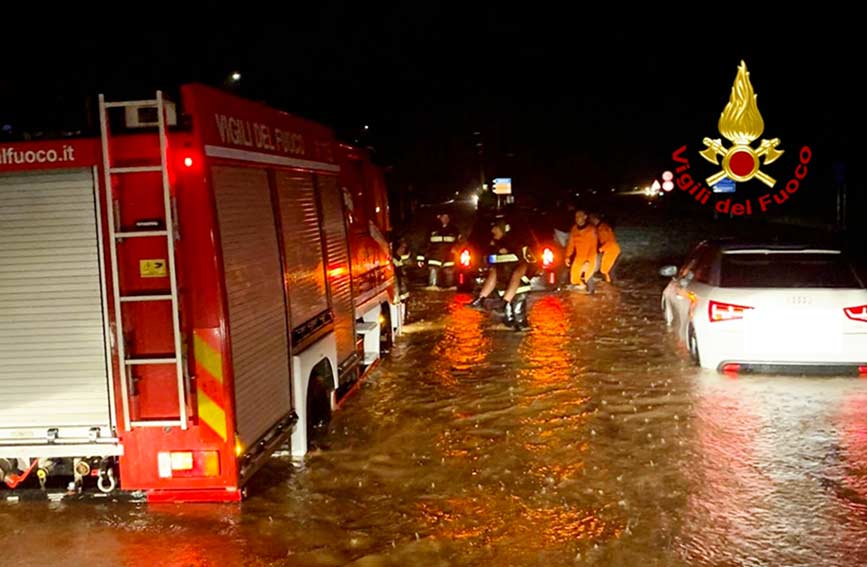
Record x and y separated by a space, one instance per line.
607 240
584 242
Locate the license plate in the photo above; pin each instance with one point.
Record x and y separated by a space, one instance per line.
802 332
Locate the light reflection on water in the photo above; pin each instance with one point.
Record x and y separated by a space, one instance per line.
588 440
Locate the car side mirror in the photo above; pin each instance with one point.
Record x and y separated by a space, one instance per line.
668 271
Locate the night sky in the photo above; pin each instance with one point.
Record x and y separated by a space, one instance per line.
562 100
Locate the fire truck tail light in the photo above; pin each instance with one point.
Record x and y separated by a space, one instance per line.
188 161
182 461
177 464
858 313
466 257
719 311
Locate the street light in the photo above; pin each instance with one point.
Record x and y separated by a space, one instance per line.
236 76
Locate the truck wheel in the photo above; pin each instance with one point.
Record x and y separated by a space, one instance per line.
318 410
386 339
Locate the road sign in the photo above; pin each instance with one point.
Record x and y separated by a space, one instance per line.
503 186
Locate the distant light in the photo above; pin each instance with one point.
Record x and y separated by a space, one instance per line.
366 127
547 257
465 257
236 76
667 176
475 200
655 186
667 186
378 209
188 161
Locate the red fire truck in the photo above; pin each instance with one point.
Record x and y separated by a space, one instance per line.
184 295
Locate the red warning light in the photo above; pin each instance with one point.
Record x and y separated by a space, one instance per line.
188 161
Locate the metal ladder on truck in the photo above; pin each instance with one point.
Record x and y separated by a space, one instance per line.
117 235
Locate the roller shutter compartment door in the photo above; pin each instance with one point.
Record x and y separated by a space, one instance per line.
339 273
302 245
53 371
257 308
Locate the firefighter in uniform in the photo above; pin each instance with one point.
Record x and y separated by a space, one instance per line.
440 255
511 264
401 259
584 243
609 250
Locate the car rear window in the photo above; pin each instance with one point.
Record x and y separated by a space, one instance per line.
787 270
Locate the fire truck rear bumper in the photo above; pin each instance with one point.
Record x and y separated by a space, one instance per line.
231 494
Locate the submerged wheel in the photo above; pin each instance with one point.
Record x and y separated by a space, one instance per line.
318 410
386 339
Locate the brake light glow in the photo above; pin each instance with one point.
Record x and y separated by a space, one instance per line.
465 257
858 313
547 257
188 161
731 368
719 311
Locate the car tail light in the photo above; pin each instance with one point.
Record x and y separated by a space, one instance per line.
862 371
466 257
719 311
731 368
547 257
858 313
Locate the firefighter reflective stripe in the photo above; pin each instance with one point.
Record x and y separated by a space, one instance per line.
209 380
404 296
433 262
401 261
502 258
419 258
437 238
448 264
525 287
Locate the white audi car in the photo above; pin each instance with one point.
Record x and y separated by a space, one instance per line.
741 307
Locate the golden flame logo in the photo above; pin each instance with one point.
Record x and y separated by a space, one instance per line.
741 123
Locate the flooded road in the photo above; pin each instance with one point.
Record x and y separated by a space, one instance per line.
589 440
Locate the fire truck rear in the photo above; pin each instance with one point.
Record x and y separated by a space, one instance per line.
184 295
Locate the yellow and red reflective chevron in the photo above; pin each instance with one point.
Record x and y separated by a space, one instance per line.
209 380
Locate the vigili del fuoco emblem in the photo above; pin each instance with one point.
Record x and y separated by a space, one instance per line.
741 124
